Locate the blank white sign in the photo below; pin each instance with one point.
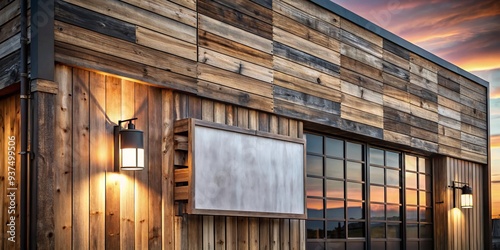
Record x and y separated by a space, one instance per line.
247 173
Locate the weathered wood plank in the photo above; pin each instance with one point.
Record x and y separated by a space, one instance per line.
361 56
316 11
234 80
424 83
145 229
10 45
306 87
395 71
360 80
362 44
165 43
448 83
235 65
424 93
63 157
396 49
9 11
235 49
98 166
416 59
362 129
304 113
423 72
399 138
396 104
10 28
112 212
424 145
94 21
127 187
232 33
167 9
111 46
448 122
208 233
9 69
361 104
191 4
306 100
360 68
423 134
73 55
306 73
360 92
167 171
222 93
396 60
80 159
430 125
329 54
305 59
301 28
141 17
219 11
361 32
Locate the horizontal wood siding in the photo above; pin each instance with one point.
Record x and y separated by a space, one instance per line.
291 58
10 45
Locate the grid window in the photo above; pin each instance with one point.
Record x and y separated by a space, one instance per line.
419 217
335 193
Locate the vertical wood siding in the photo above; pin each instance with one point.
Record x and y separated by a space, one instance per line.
9 132
97 208
456 227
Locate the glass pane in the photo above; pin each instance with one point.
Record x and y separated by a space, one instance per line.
335 230
315 245
411 180
422 198
411 197
355 210
411 163
425 214
354 171
334 246
393 212
421 182
334 168
314 143
395 245
377 194
378 244
377 230
393 230
356 229
412 231
335 209
377 211
354 191
411 213
314 165
377 175
392 177
376 156
425 230
314 208
393 195
413 245
356 245
422 166
392 159
334 189
315 229
354 151
314 186
334 147
426 244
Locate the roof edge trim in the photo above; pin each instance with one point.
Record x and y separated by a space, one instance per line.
349 15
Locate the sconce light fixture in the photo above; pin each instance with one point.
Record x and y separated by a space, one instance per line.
465 197
129 147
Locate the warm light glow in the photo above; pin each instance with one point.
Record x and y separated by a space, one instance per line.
466 201
132 158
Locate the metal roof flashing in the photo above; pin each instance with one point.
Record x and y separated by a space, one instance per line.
343 12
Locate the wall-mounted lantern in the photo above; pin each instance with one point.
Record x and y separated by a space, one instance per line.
465 197
129 147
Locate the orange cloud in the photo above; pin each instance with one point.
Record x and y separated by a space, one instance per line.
495 141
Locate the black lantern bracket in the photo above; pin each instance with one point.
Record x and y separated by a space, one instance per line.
464 186
116 132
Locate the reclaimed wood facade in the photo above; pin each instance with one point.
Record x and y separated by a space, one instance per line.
279 66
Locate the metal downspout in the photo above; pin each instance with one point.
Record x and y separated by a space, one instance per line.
24 123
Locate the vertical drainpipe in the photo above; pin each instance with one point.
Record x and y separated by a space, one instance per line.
24 124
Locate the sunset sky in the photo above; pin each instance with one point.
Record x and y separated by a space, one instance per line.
465 33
